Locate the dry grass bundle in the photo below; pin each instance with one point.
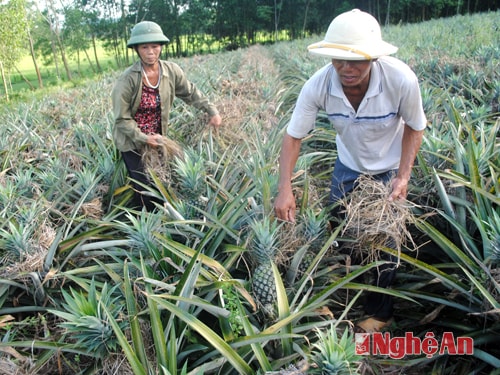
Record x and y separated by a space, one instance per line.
32 260
374 221
158 158
93 209
301 369
289 239
9 366
116 364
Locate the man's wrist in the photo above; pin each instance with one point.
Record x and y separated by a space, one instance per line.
285 186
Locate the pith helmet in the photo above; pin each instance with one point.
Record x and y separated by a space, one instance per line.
146 32
353 35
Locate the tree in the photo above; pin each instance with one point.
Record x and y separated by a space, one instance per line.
53 19
76 32
13 27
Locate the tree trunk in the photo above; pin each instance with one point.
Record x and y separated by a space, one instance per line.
24 78
124 24
4 82
37 69
54 53
304 24
276 20
88 59
94 47
55 30
387 15
63 56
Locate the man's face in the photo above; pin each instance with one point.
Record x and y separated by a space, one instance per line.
353 73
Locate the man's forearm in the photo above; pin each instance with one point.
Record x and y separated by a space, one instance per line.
412 140
288 158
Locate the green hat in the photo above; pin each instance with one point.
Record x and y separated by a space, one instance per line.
146 32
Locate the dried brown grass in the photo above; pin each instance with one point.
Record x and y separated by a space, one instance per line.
31 261
159 158
93 209
374 221
289 239
300 368
241 99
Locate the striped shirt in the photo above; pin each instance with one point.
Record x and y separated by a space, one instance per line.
369 139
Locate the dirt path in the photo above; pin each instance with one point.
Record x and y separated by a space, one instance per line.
244 99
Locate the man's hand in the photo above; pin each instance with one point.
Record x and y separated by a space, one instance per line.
399 188
284 205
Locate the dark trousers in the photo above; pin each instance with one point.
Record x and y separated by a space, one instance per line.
138 177
343 182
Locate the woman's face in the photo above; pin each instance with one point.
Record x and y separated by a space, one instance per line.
353 73
149 52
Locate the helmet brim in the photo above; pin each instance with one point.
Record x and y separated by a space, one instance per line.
351 52
145 39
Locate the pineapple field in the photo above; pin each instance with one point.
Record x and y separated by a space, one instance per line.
211 282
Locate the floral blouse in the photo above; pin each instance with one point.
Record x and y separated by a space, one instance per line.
148 115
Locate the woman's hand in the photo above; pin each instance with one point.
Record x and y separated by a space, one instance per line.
215 121
154 140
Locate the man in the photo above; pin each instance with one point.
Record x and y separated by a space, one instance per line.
373 101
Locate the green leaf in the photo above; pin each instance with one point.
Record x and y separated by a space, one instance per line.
135 328
132 358
157 328
283 309
215 340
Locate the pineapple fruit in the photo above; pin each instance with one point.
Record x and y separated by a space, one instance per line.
263 284
263 250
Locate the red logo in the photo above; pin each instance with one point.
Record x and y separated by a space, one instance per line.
398 347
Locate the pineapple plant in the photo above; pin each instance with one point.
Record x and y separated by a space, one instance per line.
331 355
314 229
264 250
191 174
84 316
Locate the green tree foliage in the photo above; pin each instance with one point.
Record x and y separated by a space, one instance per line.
76 33
195 26
13 26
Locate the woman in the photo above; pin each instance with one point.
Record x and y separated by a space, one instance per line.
142 98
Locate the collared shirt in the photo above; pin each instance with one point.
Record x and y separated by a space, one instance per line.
126 97
368 140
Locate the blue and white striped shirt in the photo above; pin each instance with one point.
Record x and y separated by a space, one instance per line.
369 139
